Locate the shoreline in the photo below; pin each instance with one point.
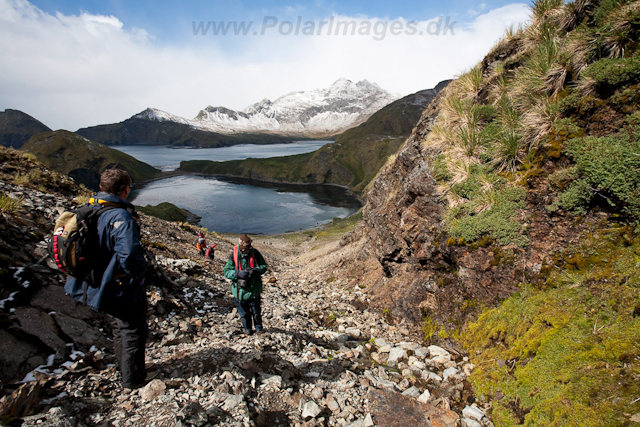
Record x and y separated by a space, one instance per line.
358 205
249 181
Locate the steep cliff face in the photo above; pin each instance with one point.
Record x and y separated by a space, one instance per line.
415 271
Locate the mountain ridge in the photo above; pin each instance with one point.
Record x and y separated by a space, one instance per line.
16 127
351 161
320 113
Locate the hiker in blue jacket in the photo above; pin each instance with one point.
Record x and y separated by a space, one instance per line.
245 268
118 287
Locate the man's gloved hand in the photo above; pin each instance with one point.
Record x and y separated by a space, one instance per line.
254 272
242 274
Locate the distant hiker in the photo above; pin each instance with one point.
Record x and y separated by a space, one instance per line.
211 252
118 286
245 268
201 244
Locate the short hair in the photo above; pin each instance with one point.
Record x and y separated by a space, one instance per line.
113 181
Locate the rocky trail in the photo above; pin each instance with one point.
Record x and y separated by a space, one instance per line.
323 361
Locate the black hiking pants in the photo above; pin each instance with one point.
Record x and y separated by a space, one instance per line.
130 332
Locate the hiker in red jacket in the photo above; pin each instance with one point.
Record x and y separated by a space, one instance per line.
211 251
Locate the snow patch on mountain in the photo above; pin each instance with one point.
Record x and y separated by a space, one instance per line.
313 113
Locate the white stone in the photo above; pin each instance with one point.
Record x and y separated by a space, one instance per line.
380 342
468 368
435 351
441 360
473 412
469 422
152 390
357 423
424 397
422 352
310 410
384 349
434 377
412 391
353 332
269 380
395 355
449 372
409 346
368 421
416 364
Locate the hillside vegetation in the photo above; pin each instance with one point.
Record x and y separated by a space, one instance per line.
551 116
82 159
353 160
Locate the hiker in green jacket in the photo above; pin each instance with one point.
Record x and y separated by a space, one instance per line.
245 268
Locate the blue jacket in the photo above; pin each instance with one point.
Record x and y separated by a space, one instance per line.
122 279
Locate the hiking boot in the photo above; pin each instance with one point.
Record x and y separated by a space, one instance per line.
260 332
151 375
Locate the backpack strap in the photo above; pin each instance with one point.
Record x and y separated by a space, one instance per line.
105 206
235 257
252 259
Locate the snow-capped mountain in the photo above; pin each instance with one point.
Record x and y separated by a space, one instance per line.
319 112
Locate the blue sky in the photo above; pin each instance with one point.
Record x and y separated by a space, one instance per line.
73 63
170 21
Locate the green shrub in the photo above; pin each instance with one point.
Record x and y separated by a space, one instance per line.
467 188
610 168
614 72
441 172
576 198
562 178
498 222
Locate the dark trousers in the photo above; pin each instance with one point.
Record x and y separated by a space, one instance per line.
250 313
130 332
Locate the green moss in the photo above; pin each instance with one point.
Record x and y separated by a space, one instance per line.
571 354
429 329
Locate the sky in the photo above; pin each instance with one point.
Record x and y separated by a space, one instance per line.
79 63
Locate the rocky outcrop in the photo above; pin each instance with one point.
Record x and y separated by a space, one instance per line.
412 268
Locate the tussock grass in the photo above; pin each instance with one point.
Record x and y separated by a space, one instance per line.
9 205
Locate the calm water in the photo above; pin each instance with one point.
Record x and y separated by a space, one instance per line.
167 158
233 206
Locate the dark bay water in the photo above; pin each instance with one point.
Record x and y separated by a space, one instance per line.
236 205
167 158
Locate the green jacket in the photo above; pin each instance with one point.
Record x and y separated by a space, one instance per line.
255 287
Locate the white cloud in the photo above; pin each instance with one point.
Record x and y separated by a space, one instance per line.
74 71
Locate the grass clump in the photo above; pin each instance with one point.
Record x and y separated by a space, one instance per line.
9 205
567 354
